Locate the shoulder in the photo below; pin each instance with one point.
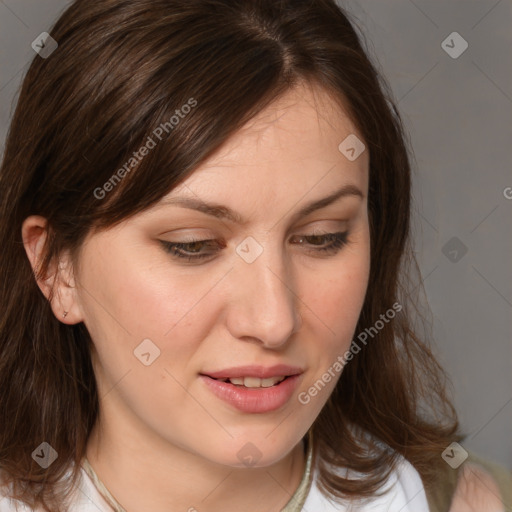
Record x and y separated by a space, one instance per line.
6 503
84 498
402 491
476 491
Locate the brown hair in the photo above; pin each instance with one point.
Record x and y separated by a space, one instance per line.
121 69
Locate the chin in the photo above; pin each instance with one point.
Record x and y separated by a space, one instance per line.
251 451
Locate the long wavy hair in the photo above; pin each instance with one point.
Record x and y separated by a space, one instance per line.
121 69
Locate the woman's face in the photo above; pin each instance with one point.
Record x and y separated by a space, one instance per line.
268 289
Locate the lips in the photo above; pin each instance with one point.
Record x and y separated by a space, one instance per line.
254 371
250 399
253 388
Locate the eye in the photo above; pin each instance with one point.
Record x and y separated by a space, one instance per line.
192 250
323 243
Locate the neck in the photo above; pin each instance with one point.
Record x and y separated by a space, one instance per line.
148 473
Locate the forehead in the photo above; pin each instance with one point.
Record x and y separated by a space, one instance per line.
306 119
297 137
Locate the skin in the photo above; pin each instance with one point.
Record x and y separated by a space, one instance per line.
476 491
163 442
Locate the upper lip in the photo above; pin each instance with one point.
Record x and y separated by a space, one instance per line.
263 372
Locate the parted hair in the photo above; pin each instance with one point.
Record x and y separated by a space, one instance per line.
121 69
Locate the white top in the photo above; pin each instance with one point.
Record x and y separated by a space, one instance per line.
405 493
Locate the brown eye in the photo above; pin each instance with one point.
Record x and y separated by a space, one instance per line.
191 250
325 242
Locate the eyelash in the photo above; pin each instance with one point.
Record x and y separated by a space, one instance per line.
337 242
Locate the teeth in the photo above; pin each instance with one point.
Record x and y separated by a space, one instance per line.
255 382
271 381
252 382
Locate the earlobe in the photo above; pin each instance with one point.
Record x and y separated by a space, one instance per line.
58 283
66 308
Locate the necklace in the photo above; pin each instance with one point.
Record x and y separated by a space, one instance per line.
294 504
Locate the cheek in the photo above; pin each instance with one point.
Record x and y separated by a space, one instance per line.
146 326
333 301
125 303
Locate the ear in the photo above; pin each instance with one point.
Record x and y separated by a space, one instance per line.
59 278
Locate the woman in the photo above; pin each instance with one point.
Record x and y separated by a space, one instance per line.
205 209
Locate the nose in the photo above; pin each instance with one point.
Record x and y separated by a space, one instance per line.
265 303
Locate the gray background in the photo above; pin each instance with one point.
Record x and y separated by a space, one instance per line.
458 116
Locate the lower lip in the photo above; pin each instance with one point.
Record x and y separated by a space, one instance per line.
253 400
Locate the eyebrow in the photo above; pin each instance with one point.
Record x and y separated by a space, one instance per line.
223 212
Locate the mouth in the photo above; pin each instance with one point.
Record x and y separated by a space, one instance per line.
254 389
254 382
